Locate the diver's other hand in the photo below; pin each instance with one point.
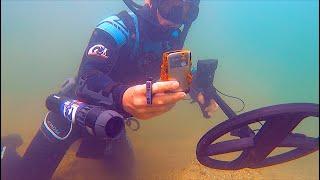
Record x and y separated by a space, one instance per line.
213 106
134 99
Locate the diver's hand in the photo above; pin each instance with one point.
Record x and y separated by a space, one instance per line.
134 99
213 106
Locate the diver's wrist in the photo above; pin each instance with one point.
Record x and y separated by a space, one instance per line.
118 93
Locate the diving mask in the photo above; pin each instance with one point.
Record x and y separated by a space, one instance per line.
179 11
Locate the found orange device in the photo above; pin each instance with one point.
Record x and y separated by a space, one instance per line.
176 65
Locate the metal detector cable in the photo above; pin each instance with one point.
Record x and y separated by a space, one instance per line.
243 103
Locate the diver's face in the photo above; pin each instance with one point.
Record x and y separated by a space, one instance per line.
173 13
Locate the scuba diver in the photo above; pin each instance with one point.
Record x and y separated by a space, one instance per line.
123 56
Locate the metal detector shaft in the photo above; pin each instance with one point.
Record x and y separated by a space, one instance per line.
223 105
204 78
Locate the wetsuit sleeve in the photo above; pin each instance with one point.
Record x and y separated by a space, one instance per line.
94 84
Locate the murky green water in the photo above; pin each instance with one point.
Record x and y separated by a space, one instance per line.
267 51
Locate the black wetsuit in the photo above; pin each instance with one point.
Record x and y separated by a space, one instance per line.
123 51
